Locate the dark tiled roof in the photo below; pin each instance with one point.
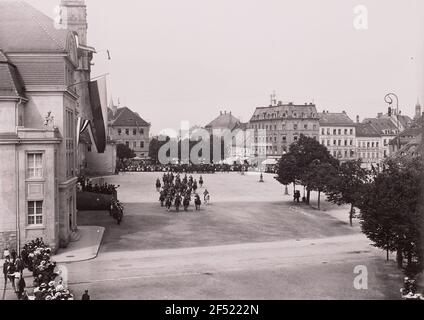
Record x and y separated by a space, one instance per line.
241 126
381 124
124 117
25 29
364 130
224 121
334 119
11 84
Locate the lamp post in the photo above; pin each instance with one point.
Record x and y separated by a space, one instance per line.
389 99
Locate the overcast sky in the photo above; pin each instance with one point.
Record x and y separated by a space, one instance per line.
189 59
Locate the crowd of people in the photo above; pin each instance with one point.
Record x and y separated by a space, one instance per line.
178 192
85 185
36 257
185 168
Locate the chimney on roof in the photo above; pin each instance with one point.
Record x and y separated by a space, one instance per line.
344 112
357 119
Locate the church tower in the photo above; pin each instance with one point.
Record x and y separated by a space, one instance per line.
74 18
418 110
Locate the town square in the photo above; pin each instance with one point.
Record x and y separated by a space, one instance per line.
229 150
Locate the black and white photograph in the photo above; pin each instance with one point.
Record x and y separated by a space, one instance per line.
211 150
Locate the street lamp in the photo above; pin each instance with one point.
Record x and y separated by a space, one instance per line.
389 99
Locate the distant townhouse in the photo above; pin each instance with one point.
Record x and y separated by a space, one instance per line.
368 145
127 127
338 134
277 126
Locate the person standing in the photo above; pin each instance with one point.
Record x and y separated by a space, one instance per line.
21 287
85 296
5 271
6 253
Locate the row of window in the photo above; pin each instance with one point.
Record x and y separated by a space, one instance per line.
134 144
286 114
367 144
346 154
339 143
327 131
274 127
134 131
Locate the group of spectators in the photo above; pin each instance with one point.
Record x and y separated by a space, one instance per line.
186 168
36 257
85 185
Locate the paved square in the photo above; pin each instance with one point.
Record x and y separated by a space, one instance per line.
252 242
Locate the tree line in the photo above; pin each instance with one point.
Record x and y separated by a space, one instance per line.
388 200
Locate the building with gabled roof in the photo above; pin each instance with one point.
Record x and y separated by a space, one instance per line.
225 121
127 127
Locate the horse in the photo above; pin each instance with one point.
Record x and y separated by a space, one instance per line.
186 203
177 203
207 199
168 204
197 202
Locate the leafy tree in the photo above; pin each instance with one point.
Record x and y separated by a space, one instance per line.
154 147
287 170
391 212
307 150
346 187
124 152
318 175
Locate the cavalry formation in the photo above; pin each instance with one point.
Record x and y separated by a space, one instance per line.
178 192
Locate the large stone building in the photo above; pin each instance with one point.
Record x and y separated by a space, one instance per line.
225 121
338 134
277 126
39 106
127 127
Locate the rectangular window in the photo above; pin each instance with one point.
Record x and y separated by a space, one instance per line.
119 132
351 131
295 127
305 127
35 212
334 132
345 132
127 132
134 132
135 144
141 144
128 144
340 132
35 165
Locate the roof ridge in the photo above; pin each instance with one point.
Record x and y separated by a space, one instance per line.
25 6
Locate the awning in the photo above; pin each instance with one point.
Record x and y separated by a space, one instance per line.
270 162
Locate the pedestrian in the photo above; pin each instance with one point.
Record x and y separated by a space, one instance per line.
21 287
85 296
13 254
5 271
6 253
11 275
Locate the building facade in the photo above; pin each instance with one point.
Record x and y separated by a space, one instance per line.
338 134
42 64
276 127
127 127
368 145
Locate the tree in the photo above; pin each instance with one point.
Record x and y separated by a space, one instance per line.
307 150
287 170
154 147
124 152
346 187
391 213
318 175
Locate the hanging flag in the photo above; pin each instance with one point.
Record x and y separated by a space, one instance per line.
98 101
81 127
